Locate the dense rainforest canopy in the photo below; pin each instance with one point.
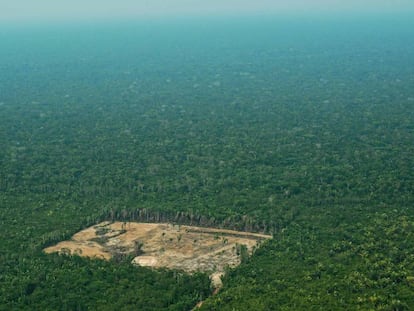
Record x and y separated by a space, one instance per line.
308 137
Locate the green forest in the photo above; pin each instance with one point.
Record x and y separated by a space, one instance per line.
292 144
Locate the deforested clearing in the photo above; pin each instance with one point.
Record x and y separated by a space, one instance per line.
187 248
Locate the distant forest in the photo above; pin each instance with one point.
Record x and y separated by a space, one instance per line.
311 143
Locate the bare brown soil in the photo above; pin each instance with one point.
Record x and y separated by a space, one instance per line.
180 247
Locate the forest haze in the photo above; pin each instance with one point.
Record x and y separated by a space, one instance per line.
303 129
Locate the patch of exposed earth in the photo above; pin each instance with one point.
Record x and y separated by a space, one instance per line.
186 248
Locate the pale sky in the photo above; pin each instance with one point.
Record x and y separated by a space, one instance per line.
21 10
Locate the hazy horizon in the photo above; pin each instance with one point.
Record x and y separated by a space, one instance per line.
49 10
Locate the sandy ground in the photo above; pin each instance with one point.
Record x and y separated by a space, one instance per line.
187 248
